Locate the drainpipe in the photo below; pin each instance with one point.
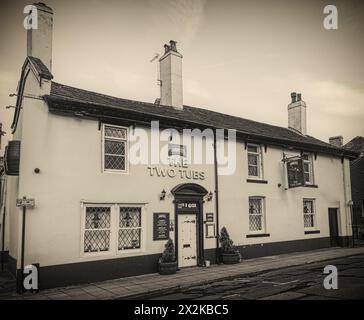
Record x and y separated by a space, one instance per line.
2 201
216 200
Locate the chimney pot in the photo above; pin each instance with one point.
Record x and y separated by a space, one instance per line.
298 97
166 48
293 96
173 45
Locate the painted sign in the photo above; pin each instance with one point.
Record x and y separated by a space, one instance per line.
209 217
295 173
24 202
187 206
161 226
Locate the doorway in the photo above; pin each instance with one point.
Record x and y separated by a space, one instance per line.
189 234
187 240
334 227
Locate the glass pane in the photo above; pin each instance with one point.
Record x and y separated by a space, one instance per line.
97 218
96 240
114 147
129 217
252 148
308 221
306 167
115 162
255 222
129 239
308 206
115 132
253 171
307 177
255 205
252 159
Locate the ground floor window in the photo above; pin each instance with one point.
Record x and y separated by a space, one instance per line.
309 213
112 228
256 214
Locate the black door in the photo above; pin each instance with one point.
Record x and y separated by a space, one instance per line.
334 228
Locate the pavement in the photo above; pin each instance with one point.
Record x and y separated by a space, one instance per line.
155 285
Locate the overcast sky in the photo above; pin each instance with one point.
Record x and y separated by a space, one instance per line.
240 57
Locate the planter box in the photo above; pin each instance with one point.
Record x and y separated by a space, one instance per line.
167 267
231 258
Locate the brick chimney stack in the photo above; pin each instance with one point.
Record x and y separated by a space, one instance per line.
297 113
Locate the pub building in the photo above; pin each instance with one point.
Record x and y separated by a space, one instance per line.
93 215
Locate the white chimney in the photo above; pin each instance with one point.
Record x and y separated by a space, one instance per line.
297 114
171 77
39 41
336 141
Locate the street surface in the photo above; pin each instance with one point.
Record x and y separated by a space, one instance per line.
300 282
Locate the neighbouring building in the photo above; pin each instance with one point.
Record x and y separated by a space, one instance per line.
98 216
357 186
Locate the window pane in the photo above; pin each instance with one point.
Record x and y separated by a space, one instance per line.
129 217
255 222
252 148
114 147
306 167
97 218
129 239
96 240
308 221
253 171
115 162
307 177
308 206
115 132
252 159
255 205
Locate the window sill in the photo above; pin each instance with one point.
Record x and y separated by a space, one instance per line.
312 231
258 235
311 185
256 181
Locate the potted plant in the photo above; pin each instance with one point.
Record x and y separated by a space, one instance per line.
167 263
228 251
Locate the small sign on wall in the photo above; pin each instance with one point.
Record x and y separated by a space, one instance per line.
210 230
161 226
209 217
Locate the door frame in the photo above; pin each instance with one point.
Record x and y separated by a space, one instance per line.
190 193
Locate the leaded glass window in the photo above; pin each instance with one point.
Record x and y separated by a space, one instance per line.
130 227
254 161
256 214
308 213
97 229
115 144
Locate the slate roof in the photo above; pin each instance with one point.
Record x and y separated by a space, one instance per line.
356 144
62 96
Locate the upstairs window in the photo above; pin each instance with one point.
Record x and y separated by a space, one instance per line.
307 168
115 148
256 214
309 213
254 161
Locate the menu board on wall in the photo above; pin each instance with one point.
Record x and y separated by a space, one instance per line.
160 226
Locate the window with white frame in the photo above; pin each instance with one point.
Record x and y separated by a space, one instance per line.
307 168
256 215
309 213
112 228
362 208
97 229
115 148
254 161
130 227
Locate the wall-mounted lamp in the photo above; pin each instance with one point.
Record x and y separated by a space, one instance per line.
209 196
163 195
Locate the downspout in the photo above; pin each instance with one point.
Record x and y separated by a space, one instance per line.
2 201
216 200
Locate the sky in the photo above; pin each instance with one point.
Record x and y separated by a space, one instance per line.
239 57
